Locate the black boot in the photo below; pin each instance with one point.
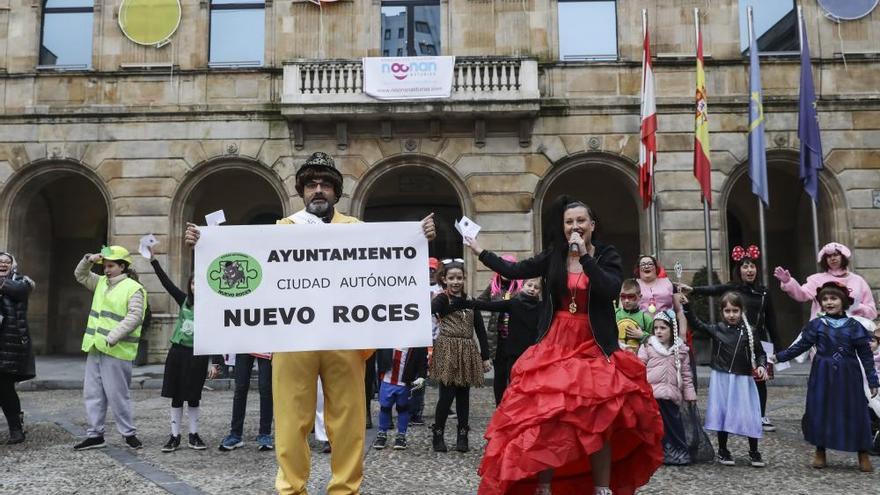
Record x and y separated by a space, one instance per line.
461 443
437 439
16 431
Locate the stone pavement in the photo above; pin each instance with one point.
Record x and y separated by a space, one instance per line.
66 373
47 464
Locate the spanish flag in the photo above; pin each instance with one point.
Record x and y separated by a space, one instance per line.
702 163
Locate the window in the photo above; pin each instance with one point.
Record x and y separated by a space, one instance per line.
587 30
387 34
776 29
418 26
237 33
384 53
66 40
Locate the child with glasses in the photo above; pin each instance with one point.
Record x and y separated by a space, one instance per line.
634 326
456 364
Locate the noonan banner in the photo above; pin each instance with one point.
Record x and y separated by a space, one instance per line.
273 288
406 78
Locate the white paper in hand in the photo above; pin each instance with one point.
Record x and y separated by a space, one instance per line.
467 228
216 218
769 350
147 242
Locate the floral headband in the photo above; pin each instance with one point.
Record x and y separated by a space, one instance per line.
739 253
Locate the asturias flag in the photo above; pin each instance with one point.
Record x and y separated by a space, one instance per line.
757 146
808 125
702 164
648 134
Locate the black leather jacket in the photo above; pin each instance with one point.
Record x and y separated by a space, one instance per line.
16 352
730 345
605 278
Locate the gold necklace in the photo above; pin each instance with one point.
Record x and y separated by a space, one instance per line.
572 306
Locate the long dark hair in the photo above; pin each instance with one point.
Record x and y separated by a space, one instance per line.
557 243
737 271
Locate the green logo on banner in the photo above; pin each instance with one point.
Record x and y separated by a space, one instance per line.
234 275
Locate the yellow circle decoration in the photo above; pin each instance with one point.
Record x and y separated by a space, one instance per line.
149 22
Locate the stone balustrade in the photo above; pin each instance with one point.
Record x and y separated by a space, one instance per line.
501 86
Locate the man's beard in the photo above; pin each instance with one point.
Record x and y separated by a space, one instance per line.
320 209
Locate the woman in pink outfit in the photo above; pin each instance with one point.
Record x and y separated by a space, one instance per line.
834 258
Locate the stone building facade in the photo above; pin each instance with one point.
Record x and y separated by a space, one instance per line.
143 139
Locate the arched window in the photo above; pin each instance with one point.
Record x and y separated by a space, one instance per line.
66 40
238 33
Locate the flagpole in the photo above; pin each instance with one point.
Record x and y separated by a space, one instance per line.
765 279
707 221
814 213
652 211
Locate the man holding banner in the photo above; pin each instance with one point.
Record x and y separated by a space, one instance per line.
295 374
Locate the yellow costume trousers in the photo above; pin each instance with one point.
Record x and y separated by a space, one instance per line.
294 384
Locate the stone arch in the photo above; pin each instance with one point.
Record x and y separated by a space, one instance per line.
789 226
421 184
264 197
625 225
53 211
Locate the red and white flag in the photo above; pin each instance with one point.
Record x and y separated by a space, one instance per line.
648 134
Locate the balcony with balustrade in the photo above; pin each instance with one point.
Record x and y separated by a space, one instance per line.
488 88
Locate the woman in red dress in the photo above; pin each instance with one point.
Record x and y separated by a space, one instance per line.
577 413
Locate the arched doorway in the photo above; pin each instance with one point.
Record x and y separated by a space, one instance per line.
55 215
408 192
609 186
248 194
789 231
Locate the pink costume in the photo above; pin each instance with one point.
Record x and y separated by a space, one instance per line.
860 291
662 373
659 291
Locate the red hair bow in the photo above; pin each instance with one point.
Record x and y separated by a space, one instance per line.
739 253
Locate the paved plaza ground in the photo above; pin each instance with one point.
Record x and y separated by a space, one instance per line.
46 464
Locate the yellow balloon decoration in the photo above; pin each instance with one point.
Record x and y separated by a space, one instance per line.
149 22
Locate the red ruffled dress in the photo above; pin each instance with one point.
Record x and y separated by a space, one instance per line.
564 402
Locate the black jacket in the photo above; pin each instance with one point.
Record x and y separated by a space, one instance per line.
16 350
605 279
416 363
730 345
759 307
522 328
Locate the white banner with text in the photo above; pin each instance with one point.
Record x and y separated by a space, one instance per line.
406 78
276 288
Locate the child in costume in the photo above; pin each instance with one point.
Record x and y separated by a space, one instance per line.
185 373
111 340
669 373
836 414
737 360
401 372
634 326
456 363
521 329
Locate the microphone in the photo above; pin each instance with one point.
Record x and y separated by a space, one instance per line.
573 246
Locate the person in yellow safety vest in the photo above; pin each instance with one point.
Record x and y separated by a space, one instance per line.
295 374
111 341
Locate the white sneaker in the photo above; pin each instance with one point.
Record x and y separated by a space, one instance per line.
766 425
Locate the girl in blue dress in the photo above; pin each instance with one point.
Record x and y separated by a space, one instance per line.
836 414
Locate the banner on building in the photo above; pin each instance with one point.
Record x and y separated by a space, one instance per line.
407 78
311 287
